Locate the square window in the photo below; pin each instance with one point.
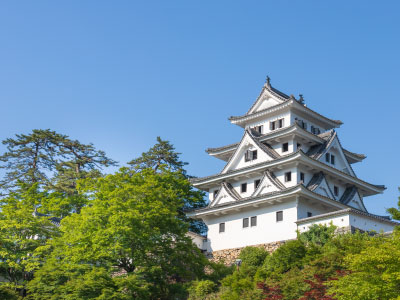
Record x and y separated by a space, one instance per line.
221 227
288 176
256 183
243 188
301 176
253 221
285 147
309 214
327 157
245 222
336 190
259 129
279 216
332 159
272 125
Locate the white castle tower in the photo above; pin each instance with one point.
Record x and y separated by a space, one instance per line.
288 171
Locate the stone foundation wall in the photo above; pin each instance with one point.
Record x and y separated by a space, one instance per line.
228 256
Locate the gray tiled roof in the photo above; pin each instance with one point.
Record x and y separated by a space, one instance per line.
347 210
54 220
315 181
348 194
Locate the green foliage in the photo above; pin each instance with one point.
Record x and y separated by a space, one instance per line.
162 153
201 290
50 159
317 234
162 156
374 272
253 256
21 234
288 256
132 226
8 294
395 212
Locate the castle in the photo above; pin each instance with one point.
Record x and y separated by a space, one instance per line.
288 171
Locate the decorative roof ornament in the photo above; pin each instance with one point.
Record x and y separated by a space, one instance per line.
292 97
268 81
301 99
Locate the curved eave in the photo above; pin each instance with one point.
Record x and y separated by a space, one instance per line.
244 119
269 198
343 212
366 188
353 157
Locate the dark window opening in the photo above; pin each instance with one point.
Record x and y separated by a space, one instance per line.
332 159
221 227
245 222
327 157
279 216
243 188
253 221
256 183
309 214
250 155
259 129
216 193
285 147
288 176
336 190
272 125
301 176
280 122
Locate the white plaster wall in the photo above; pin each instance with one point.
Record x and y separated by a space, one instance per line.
293 117
304 207
197 240
303 146
265 122
280 174
339 221
239 162
266 231
369 224
250 186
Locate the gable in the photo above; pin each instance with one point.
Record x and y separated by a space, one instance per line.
352 197
269 183
225 194
318 184
334 147
249 143
265 100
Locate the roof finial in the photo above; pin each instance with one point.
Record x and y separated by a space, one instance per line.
301 99
268 81
292 97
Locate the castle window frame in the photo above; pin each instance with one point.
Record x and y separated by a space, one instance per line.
221 227
245 222
302 177
288 176
285 147
257 183
253 221
243 187
336 190
279 216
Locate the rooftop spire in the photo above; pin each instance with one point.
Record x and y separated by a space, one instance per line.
301 99
268 81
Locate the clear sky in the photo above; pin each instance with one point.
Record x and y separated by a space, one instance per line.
120 73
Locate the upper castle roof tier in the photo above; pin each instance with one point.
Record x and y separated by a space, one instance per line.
272 100
316 142
297 158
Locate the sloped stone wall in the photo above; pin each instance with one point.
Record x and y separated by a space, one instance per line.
228 256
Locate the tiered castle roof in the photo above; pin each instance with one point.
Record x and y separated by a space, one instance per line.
270 189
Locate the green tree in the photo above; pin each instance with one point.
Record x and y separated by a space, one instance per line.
22 232
131 228
54 162
162 156
395 212
374 272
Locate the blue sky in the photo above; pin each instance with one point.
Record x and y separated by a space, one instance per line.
120 73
